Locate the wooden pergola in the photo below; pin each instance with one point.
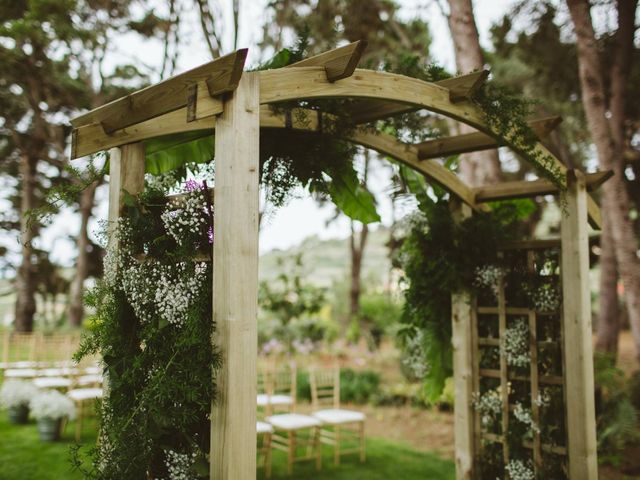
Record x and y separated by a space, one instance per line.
220 97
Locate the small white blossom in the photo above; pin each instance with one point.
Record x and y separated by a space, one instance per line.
179 465
523 415
489 405
519 470
515 344
488 276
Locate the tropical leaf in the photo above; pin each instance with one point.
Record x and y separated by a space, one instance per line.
351 196
171 152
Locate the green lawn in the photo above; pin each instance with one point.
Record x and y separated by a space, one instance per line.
24 457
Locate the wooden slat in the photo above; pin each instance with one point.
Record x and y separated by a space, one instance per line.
463 87
91 138
492 437
338 63
477 141
532 188
577 335
504 374
369 110
235 283
535 387
220 75
542 379
463 369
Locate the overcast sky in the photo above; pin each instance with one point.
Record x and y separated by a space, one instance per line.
301 218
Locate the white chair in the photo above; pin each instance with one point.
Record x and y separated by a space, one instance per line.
265 431
277 390
84 398
57 383
345 424
286 437
21 373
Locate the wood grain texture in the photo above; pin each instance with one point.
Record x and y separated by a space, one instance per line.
577 336
171 94
235 283
477 141
463 87
463 367
338 63
531 188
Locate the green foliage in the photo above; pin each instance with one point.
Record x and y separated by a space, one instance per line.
356 386
380 314
616 415
159 364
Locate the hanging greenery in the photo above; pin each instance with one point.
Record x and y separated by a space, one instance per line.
152 325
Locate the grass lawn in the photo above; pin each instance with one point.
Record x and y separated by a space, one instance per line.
24 457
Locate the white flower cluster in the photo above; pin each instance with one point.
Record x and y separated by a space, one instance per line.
164 290
186 216
519 470
489 405
543 399
515 344
545 298
523 415
165 182
16 393
179 465
415 356
52 404
488 276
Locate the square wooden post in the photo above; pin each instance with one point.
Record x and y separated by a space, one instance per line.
462 342
126 173
578 348
235 283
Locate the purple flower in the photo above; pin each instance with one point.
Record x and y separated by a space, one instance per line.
192 185
210 235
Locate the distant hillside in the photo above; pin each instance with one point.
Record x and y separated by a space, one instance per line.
326 261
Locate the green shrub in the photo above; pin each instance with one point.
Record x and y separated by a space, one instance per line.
355 386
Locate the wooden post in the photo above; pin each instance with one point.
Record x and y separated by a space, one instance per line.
235 283
578 354
126 173
462 341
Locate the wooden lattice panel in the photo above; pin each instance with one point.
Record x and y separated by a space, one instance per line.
543 378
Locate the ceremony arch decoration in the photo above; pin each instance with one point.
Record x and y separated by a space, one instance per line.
219 97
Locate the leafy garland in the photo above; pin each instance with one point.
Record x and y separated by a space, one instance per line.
153 327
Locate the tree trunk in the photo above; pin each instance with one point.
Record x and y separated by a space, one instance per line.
477 168
76 291
606 125
357 249
25 307
609 314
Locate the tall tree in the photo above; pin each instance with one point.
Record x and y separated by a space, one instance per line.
605 96
478 168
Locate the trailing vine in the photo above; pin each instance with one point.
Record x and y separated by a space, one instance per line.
152 324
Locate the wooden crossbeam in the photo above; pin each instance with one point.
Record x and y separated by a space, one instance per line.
338 63
526 189
221 75
463 87
369 110
476 141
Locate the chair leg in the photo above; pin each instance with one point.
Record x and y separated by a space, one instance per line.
336 447
318 447
362 443
267 458
292 452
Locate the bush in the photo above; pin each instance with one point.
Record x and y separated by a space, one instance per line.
355 386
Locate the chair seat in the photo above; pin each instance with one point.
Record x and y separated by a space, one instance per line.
264 427
85 393
338 416
292 421
263 400
52 382
20 373
89 379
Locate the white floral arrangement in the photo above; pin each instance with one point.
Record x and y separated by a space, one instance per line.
546 298
415 355
515 344
488 276
179 465
519 470
489 405
53 405
17 393
524 415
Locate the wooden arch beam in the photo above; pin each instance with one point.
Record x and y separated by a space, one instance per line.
338 63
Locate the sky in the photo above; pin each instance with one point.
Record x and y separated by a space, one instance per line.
301 217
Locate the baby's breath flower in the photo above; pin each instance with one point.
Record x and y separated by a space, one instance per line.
515 344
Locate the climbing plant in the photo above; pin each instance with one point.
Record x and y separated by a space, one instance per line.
152 325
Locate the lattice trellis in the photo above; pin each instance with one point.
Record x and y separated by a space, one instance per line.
541 381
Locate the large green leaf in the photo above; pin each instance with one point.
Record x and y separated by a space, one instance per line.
171 152
352 197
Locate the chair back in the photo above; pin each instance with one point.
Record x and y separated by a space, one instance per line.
325 387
